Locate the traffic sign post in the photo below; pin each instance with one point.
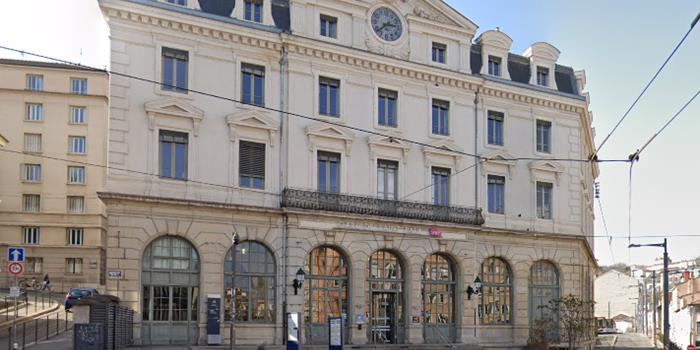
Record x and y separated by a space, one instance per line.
15 266
15 254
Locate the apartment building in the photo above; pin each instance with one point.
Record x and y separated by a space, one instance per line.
380 147
55 117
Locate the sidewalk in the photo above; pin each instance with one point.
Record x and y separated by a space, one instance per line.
61 342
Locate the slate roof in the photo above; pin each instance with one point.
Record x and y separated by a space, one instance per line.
519 69
280 10
518 66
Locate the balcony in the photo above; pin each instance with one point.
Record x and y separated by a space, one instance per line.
364 205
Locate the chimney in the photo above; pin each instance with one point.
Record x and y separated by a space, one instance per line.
687 276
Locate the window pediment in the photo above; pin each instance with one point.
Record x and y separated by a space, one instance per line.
172 107
327 132
252 120
437 11
377 142
443 149
498 159
546 169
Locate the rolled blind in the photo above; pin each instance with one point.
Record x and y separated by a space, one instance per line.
252 159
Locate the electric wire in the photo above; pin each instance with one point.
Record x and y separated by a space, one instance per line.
653 78
320 120
605 227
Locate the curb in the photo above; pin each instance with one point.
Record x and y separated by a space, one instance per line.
7 324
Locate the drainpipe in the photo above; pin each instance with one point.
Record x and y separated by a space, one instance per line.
476 147
283 164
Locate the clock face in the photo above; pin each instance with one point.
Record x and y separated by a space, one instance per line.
387 24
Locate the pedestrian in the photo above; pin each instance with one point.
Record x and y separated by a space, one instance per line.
47 283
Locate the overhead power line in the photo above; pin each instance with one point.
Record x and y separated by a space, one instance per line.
339 125
653 78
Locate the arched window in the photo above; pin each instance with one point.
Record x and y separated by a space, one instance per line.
325 292
170 292
253 278
385 296
544 287
438 300
496 292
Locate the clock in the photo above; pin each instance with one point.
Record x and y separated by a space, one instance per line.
387 24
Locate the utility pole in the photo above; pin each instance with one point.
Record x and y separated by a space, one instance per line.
653 303
667 325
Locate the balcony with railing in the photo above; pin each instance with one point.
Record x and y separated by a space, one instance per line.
365 205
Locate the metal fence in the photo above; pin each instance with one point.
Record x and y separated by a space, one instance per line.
28 303
28 332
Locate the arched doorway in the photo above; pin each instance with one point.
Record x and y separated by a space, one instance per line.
387 323
544 287
325 293
253 276
438 275
170 292
496 292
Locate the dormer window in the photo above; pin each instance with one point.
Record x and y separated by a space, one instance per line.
178 2
253 10
439 53
495 66
329 26
542 76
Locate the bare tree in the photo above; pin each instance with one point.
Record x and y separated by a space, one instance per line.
575 318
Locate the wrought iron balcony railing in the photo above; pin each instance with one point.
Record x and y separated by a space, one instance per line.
364 205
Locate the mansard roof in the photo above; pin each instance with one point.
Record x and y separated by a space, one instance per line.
519 69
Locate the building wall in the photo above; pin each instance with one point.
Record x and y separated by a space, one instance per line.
207 208
615 293
53 218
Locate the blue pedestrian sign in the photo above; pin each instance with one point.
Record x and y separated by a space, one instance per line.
15 254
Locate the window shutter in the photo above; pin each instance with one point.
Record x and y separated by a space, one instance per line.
252 159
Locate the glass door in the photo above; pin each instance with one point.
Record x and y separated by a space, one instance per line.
383 316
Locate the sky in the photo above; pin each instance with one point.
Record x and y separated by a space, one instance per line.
620 44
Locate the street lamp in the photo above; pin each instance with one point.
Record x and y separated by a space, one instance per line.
667 326
476 290
236 241
299 280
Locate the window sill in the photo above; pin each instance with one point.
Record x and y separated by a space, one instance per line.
338 120
440 136
76 184
251 189
31 182
544 154
494 146
186 95
77 154
34 121
173 180
394 129
77 124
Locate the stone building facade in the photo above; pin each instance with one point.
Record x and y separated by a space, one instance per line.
55 117
377 146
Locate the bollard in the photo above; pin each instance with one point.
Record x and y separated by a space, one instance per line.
24 332
48 322
66 328
36 330
57 324
34 301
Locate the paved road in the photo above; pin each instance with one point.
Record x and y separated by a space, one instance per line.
631 341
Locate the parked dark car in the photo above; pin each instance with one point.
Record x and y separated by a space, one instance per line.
75 294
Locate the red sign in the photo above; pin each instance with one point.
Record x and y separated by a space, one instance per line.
15 269
435 233
691 347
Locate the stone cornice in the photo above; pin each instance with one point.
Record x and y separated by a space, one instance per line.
334 53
